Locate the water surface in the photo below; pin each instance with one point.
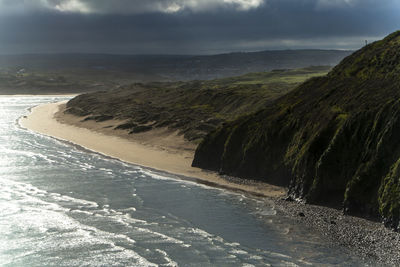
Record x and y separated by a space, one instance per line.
63 206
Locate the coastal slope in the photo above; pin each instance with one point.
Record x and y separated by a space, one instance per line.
192 108
334 140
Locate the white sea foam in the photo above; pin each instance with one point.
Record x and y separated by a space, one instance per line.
169 261
39 216
256 257
279 255
76 201
173 178
82 212
162 238
289 264
238 251
27 154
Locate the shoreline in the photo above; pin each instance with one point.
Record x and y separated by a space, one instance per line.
158 149
369 240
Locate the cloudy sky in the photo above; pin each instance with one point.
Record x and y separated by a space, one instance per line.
191 26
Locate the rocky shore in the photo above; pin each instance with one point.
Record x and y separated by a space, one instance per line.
367 239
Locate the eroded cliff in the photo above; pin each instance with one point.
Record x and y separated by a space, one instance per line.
335 140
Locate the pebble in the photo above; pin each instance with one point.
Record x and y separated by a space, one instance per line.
366 239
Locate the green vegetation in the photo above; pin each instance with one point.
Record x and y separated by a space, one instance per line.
334 140
275 77
194 108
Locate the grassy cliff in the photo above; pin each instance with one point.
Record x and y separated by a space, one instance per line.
334 140
193 108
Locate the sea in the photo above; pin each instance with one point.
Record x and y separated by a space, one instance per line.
63 205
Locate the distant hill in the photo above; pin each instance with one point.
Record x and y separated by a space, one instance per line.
335 140
171 67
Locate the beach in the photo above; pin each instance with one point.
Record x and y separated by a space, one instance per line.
166 151
159 149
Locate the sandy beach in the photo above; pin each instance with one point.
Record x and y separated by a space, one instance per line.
160 149
166 151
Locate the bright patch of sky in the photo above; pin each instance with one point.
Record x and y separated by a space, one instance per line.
127 6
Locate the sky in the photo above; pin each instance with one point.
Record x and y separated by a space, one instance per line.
191 26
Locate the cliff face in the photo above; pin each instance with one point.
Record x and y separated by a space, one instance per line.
335 140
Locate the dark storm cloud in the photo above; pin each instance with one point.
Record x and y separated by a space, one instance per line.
210 27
